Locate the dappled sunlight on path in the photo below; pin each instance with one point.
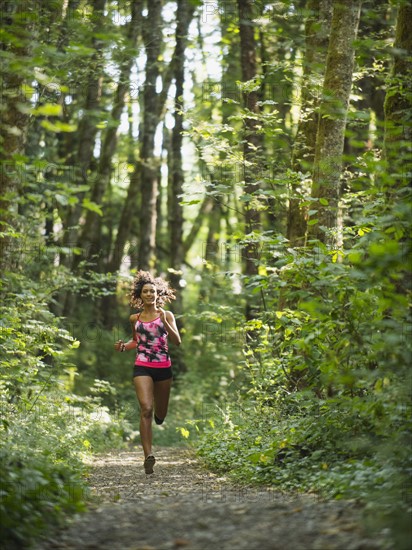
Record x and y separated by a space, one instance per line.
182 505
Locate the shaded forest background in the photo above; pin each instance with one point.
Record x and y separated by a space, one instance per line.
258 155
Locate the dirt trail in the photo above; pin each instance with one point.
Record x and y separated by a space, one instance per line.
184 506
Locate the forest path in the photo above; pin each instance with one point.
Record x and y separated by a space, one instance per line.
183 505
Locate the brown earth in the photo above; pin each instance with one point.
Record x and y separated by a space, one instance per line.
185 506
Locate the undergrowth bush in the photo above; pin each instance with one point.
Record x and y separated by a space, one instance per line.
324 401
46 430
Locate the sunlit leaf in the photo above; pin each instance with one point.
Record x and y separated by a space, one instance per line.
92 206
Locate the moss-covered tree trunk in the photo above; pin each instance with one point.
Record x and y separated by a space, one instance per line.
332 122
317 31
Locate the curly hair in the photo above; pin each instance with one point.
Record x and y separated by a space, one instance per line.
165 293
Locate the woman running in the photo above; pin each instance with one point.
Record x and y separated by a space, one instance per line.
152 376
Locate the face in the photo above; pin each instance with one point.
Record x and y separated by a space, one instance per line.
148 294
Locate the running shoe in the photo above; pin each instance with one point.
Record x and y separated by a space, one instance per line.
149 463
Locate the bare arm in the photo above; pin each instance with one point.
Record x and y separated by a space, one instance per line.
131 344
169 322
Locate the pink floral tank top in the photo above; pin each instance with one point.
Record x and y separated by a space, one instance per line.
152 348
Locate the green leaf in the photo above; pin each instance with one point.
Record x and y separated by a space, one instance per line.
92 206
61 199
189 203
58 126
49 109
184 432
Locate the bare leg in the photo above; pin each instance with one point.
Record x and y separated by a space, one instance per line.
144 391
161 397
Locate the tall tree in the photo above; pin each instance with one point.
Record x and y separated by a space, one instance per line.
251 138
317 30
332 121
82 156
398 137
184 16
398 103
144 181
148 165
375 27
89 236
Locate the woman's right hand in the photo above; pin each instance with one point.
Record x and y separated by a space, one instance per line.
118 345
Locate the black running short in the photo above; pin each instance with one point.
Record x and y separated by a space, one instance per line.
157 374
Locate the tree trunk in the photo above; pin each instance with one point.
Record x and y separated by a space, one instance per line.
87 130
184 16
204 210
251 139
398 104
175 211
86 139
332 122
145 180
148 164
211 251
90 231
398 138
317 30
376 21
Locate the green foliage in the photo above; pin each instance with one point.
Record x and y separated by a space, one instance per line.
310 394
45 428
323 401
35 493
319 398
